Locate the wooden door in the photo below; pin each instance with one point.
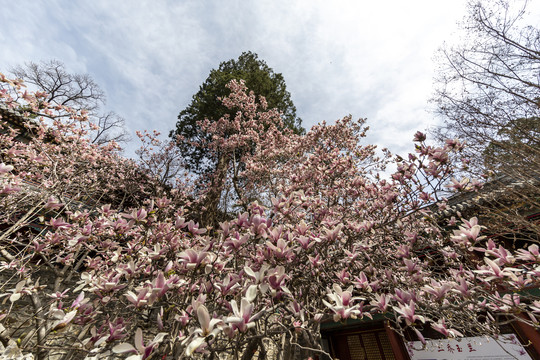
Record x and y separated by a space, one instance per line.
362 345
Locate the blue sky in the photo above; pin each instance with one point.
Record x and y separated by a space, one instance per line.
369 59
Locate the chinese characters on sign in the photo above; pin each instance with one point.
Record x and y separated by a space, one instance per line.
507 347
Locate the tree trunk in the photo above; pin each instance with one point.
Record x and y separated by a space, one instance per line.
213 196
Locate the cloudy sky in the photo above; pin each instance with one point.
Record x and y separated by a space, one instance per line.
370 59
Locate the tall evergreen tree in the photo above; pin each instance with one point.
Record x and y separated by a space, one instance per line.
213 165
206 104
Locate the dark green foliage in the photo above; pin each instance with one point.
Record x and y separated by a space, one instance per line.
206 104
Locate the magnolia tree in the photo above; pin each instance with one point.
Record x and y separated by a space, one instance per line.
319 236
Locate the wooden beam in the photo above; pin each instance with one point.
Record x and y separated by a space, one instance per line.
398 347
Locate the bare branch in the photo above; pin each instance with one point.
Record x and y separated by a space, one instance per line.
77 91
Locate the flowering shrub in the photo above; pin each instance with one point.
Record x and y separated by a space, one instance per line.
101 259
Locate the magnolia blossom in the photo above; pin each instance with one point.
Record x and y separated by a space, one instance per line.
209 328
20 290
342 306
313 230
442 328
5 168
141 351
63 318
495 272
407 313
244 318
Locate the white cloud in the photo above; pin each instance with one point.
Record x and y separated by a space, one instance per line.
369 59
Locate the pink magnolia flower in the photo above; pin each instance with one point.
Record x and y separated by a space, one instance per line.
53 204
140 299
462 287
16 293
236 241
419 137
209 328
137 215
244 318
407 313
441 327
495 272
180 222
10 189
276 280
343 300
281 249
362 282
108 331
343 276
159 287
503 256
333 234
458 184
535 306
468 233
531 254
437 289
194 228
116 329
208 325
141 351
193 259
228 284
183 318
57 296
382 301
257 276
59 223
5 168
63 319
